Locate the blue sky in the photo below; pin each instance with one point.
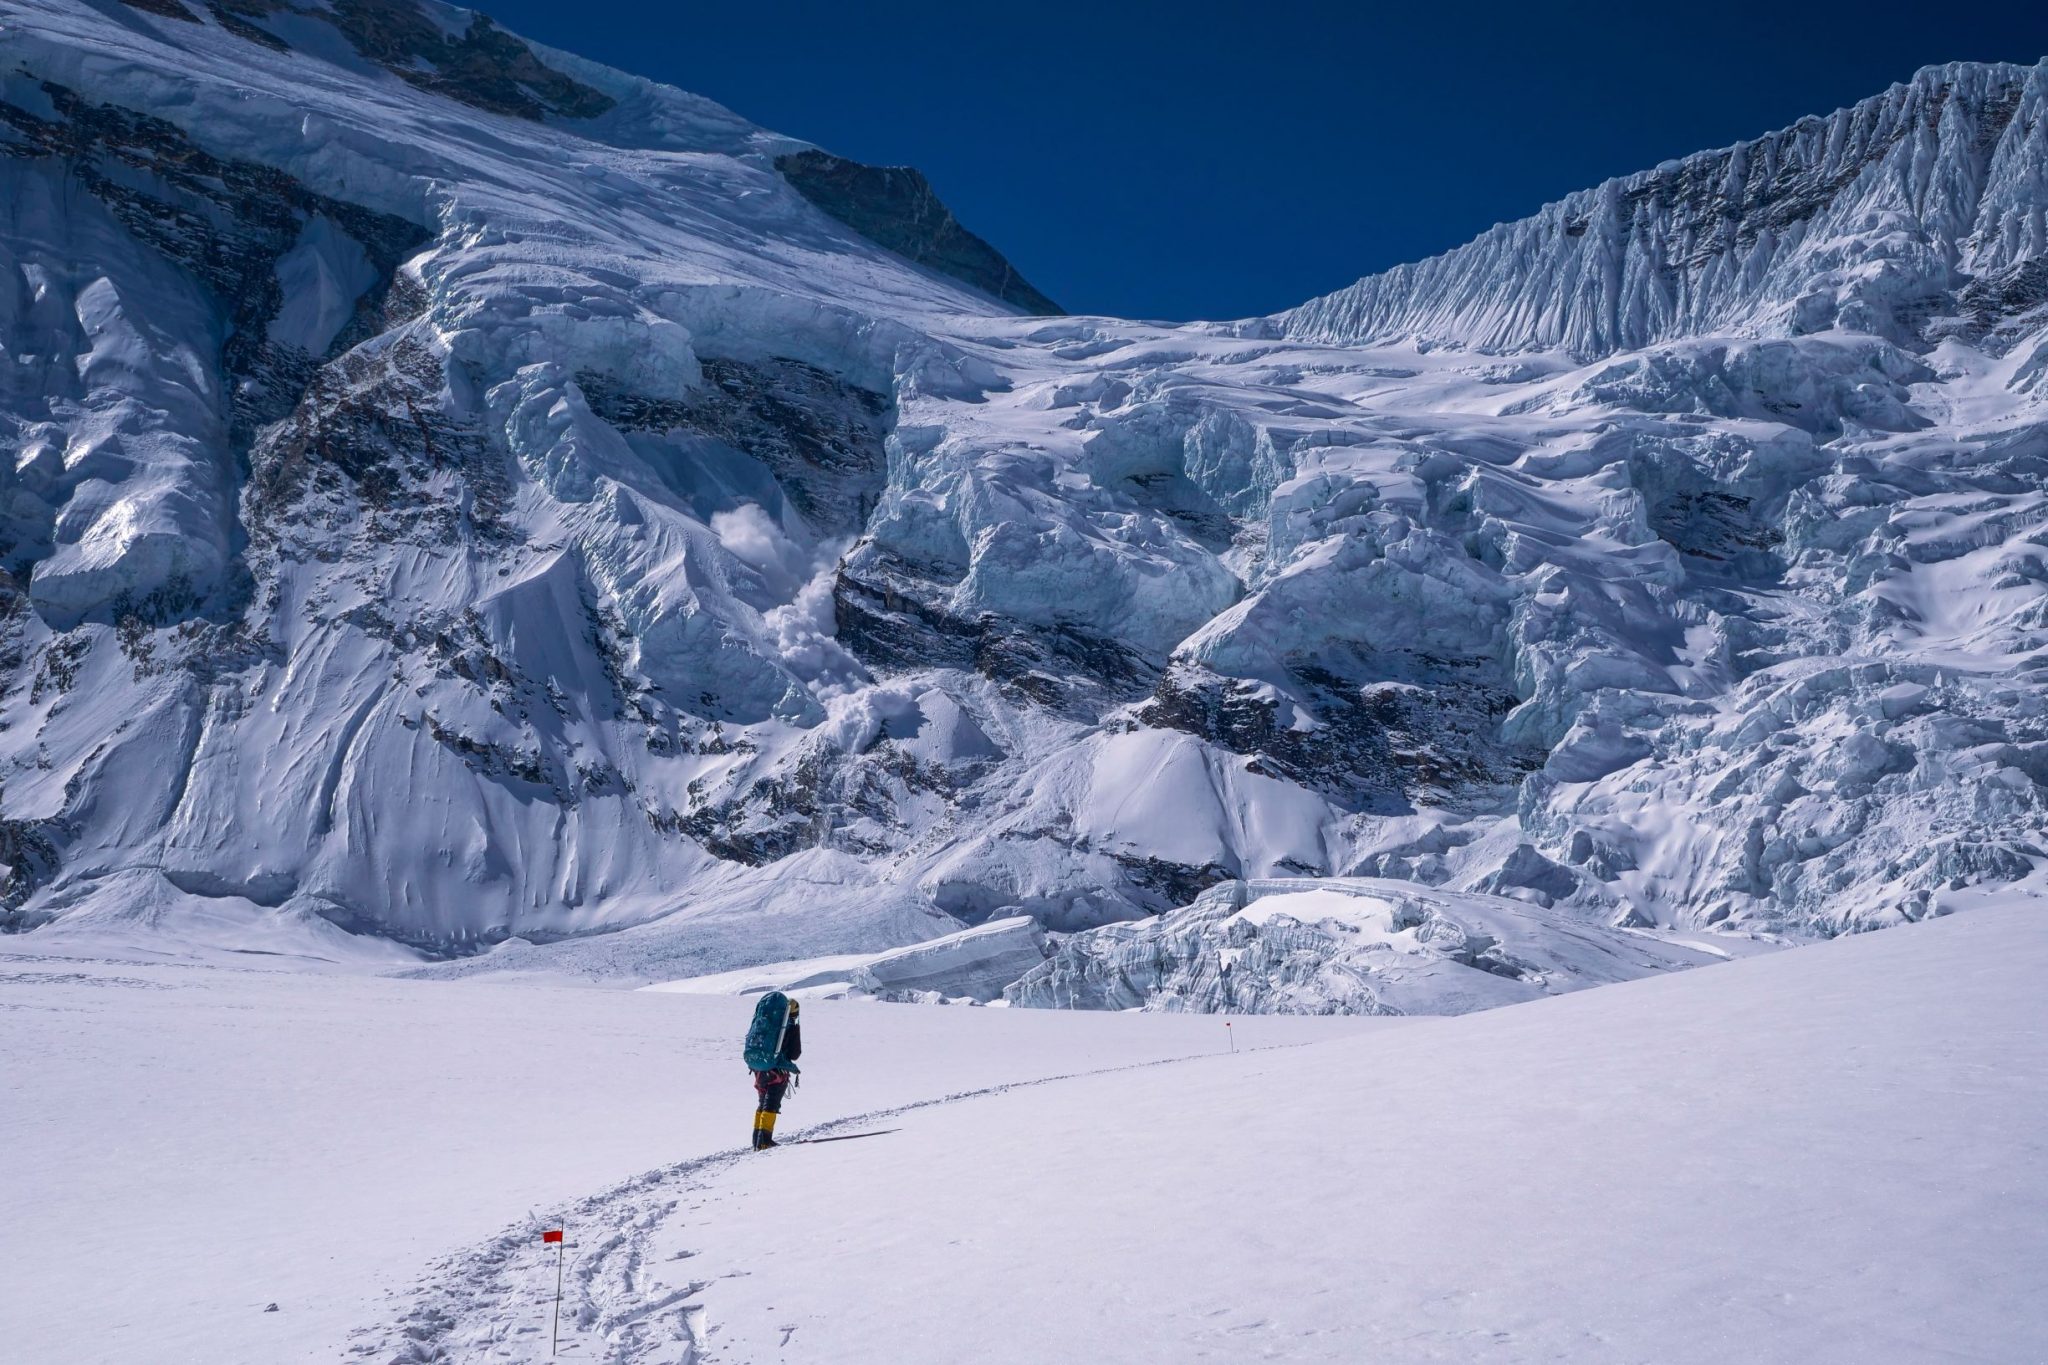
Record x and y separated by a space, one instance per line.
1183 161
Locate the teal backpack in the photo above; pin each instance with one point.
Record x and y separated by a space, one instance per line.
764 1037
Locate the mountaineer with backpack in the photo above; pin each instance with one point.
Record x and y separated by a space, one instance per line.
773 1044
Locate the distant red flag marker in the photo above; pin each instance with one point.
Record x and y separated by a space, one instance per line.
555 1235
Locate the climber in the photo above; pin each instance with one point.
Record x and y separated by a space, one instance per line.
774 1042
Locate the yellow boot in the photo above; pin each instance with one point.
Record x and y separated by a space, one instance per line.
764 1129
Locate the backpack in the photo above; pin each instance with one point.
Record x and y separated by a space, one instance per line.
764 1036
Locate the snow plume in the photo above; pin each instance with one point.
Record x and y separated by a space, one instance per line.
754 539
801 631
858 719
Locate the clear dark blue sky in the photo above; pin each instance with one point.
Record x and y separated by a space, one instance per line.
1214 161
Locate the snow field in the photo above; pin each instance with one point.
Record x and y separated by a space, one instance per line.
187 1144
1832 1154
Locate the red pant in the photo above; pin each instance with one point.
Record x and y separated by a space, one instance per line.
769 1087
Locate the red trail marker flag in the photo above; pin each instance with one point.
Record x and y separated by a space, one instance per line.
555 1235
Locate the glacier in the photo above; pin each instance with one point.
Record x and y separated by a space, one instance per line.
1348 946
1874 219
471 506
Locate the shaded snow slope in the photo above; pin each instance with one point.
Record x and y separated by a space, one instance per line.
460 506
1830 1155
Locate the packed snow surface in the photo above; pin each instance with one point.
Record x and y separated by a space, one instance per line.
1831 1154
1826 1155
459 497
187 1144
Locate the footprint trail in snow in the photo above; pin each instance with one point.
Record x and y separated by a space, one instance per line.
634 1290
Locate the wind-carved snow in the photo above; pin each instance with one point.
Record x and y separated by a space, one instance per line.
544 530
1869 219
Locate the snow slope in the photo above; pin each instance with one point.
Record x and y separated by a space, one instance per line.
1832 1154
465 499
1864 219
973 966
188 1144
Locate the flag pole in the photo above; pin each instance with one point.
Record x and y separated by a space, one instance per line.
555 1235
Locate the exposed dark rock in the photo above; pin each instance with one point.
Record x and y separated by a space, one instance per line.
235 16
169 9
825 798
28 859
14 621
1704 518
1159 885
1726 200
2001 306
227 222
1175 494
895 207
353 459
1374 746
819 437
1710 524
483 66
495 760
1347 753
57 671
773 817
886 620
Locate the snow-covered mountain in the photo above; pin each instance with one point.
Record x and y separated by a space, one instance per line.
1913 215
461 496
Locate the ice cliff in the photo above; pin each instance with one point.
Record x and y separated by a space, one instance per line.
1873 219
462 496
1360 946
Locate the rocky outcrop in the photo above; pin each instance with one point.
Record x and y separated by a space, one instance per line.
470 59
250 276
896 207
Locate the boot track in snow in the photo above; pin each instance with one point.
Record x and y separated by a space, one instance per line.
842 1137
489 1301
